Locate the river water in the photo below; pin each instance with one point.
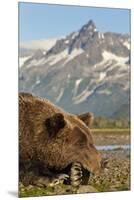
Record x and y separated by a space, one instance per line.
113 147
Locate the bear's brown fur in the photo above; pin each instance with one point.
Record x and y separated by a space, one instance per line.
53 137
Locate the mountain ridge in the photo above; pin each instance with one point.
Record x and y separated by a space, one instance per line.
85 71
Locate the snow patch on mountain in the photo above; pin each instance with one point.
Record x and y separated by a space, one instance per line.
60 95
53 59
68 76
86 93
44 52
100 35
67 41
74 35
127 44
105 91
77 83
74 54
59 57
22 60
37 82
110 56
102 76
83 96
35 62
103 64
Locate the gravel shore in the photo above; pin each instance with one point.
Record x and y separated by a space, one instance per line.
116 175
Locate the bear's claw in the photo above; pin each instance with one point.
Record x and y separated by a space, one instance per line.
76 174
59 179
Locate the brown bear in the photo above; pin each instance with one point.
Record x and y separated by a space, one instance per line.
51 140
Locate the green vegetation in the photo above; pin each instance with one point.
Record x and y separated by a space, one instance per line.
106 187
111 131
33 191
109 123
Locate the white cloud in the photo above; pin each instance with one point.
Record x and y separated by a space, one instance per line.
39 44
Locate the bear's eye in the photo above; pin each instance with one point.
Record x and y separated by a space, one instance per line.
79 137
82 140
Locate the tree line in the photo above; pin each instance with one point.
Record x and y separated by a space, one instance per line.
103 122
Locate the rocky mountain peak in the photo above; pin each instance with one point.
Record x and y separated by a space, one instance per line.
84 36
90 26
88 29
76 39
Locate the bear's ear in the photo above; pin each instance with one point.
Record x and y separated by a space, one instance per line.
87 118
54 124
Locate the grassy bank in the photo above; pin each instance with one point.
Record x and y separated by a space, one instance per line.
110 131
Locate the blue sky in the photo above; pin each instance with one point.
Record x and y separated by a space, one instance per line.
42 21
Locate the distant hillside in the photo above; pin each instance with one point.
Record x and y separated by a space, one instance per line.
123 111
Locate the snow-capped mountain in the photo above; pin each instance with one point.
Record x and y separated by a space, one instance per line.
84 71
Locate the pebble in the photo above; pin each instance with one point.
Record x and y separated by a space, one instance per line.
115 175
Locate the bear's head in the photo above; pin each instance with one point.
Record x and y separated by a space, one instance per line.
71 141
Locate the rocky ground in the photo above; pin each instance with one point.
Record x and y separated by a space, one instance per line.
114 177
111 137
